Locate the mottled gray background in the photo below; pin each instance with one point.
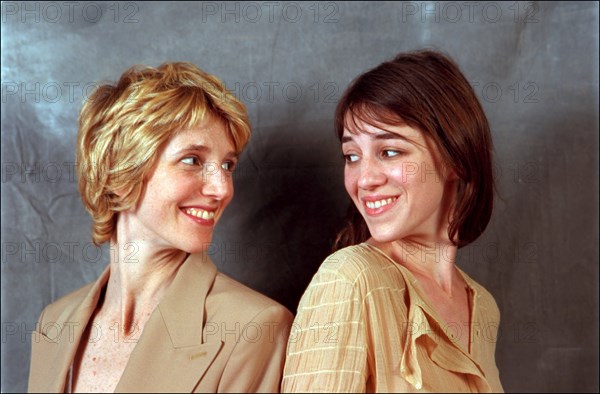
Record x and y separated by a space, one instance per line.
533 64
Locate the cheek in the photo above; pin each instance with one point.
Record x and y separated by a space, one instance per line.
230 193
350 180
178 190
406 173
152 195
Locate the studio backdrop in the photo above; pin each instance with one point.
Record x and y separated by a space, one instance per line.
534 66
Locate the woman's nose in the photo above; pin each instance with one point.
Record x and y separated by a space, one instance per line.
215 182
371 175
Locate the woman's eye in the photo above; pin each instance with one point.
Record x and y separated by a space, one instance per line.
390 153
190 160
228 166
351 158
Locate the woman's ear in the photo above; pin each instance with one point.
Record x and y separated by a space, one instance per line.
450 173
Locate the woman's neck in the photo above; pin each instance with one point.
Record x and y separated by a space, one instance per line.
434 261
139 276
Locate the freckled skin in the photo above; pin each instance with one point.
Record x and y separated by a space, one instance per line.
103 354
183 178
396 161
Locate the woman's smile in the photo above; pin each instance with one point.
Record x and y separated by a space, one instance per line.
392 175
377 205
201 215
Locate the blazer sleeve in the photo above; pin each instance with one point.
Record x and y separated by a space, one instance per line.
256 363
37 360
327 349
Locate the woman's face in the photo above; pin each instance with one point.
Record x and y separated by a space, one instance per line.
397 183
188 189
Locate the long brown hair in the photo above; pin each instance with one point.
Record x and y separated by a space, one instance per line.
427 91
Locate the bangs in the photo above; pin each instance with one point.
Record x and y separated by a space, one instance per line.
358 116
179 108
186 108
371 115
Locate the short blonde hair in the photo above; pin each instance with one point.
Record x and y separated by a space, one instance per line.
123 126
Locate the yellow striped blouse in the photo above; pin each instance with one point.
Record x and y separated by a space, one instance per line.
363 325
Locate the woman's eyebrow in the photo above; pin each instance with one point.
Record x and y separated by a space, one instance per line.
390 136
232 155
202 148
193 147
382 136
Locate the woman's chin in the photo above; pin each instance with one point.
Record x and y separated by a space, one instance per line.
197 247
383 236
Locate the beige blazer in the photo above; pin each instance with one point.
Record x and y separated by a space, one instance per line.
208 334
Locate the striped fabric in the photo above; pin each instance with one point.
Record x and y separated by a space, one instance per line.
363 325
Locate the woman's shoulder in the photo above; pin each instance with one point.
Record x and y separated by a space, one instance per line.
355 263
67 303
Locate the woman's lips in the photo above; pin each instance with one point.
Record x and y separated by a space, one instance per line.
200 215
376 205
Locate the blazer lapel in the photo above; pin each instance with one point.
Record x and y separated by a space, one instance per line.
172 355
60 339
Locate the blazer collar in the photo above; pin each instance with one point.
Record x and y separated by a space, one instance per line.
73 321
171 340
171 354
182 307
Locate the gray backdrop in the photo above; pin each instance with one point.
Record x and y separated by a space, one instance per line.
533 64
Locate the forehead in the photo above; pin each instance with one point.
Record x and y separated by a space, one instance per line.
355 127
212 133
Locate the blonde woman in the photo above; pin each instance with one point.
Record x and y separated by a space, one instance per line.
155 155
